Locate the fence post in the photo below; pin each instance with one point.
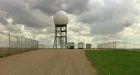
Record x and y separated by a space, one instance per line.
37 44
17 43
28 43
25 43
33 43
21 42
9 40
9 44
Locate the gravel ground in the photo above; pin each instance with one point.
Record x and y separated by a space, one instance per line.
47 62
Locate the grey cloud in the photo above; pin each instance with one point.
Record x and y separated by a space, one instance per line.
3 20
107 38
111 17
13 29
76 28
70 6
77 6
3 17
21 13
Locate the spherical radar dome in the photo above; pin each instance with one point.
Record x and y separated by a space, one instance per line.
61 18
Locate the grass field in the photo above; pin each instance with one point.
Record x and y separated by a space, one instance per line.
113 62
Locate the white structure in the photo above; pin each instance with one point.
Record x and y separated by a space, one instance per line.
60 20
70 45
80 45
88 46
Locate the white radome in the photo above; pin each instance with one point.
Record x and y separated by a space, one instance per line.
61 18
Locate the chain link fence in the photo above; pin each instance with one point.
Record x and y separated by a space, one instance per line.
118 45
10 44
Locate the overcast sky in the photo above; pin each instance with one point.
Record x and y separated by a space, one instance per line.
91 21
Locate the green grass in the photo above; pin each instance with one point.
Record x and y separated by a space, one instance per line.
113 62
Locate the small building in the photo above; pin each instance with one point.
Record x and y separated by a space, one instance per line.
70 45
88 46
80 45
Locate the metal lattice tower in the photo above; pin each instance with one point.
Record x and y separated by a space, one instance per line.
60 20
60 40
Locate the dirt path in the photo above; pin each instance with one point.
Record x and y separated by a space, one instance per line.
47 62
